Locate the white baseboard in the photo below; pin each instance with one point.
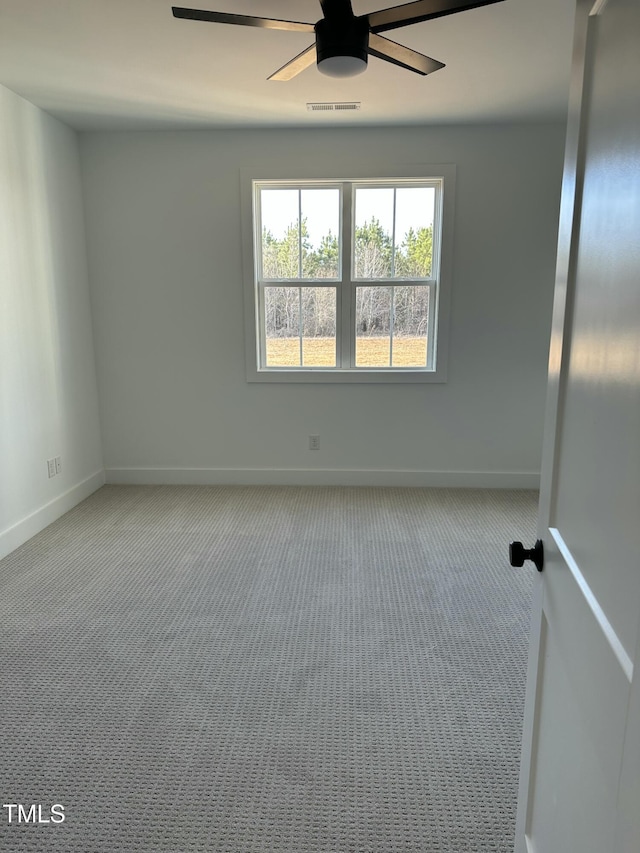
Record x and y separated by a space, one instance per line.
18 533
323 477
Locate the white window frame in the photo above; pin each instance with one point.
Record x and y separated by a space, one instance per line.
440 283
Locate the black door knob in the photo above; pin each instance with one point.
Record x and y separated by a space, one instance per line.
518 554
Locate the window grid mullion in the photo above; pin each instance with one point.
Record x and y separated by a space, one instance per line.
393 237
392 296
299 233
262 321
431 326
300 324
346 313
393 275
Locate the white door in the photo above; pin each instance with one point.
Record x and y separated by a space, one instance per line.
580 772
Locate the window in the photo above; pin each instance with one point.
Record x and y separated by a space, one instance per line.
348 278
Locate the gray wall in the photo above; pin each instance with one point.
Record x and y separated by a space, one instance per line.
48 395
163 213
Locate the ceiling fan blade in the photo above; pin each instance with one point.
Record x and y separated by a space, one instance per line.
420 10
295 66
244 20
403 56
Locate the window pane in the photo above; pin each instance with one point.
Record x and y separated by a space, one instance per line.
320 229
414 232
373 327
280 233
303 246
374 232
318 326
282 326
410 324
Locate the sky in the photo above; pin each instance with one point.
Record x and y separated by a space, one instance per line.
414 208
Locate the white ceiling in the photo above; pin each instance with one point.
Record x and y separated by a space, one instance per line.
130 64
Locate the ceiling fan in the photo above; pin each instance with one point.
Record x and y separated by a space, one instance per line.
344 40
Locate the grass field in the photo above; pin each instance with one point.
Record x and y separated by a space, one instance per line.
370 352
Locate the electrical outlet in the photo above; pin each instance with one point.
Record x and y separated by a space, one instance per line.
314 442
51 468
58 463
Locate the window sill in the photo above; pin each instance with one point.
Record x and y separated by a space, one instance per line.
353 376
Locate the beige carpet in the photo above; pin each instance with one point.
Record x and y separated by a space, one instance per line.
240 669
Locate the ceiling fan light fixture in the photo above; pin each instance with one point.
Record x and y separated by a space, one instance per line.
342 66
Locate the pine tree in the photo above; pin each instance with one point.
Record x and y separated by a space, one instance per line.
414 258
372 251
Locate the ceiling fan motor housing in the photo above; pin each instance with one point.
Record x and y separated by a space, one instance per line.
348 37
